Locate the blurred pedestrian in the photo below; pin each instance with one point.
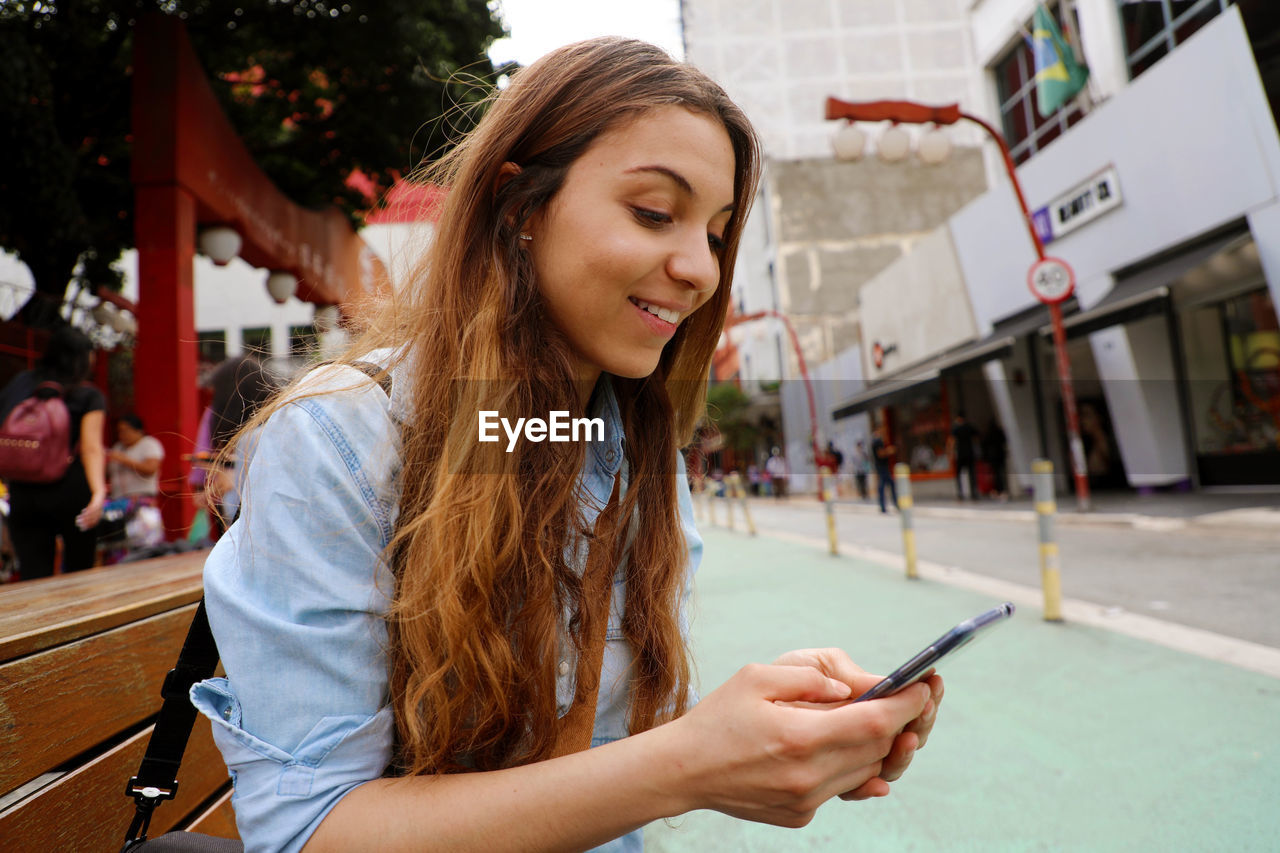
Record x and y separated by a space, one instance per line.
241 385
883 453
962 448
776 466
995 450
133 462
70 508
861 468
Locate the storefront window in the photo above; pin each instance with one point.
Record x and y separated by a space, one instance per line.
1233 355
923 427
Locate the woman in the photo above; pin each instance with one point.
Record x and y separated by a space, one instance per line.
241 385
134 461
69 509
405 611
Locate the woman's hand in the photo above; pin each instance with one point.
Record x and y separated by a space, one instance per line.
838 665
92 513
775 742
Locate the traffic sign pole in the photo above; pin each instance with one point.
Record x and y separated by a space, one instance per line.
1078 465
1052 281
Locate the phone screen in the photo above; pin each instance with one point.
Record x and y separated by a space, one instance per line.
923 664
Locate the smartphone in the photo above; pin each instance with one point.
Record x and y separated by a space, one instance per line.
922 665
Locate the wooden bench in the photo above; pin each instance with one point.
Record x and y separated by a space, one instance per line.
82 658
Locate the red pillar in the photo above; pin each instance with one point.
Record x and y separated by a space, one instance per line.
165 358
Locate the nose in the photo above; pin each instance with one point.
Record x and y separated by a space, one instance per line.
694 263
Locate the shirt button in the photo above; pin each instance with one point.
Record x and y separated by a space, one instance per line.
226 714
610 456
564 667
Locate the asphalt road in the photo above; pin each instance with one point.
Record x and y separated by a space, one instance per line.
1219 581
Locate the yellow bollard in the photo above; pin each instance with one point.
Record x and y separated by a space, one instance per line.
902 478
740 493
1046 508
828 502
728 499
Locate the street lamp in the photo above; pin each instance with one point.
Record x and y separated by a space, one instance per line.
739 319
907 112
281 285
220 244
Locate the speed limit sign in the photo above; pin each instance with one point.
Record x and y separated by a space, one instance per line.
1051 280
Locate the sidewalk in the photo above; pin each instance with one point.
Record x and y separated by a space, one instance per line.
1051 737
1258 513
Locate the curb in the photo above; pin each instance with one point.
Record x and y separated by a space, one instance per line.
1262 522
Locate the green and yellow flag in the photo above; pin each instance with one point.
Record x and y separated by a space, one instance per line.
1059 78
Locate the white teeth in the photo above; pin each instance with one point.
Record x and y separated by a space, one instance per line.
668 314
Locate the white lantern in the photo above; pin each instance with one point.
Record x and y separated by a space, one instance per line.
220 244
125 323
326 318
934 147
281 285
894 144
849 142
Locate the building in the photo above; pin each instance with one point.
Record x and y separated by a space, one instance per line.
820 229
1161 188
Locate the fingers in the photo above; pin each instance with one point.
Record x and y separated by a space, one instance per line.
796 684
875 787
899 757
877 719
834 663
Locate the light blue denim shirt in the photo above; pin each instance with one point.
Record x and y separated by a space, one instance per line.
297 591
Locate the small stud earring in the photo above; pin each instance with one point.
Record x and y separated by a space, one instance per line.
525 237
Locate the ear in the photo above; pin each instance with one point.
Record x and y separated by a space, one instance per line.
506 172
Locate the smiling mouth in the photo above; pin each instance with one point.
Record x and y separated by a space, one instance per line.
667 315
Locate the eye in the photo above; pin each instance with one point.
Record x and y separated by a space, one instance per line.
650 218
717 244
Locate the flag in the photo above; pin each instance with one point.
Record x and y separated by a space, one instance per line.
1059 77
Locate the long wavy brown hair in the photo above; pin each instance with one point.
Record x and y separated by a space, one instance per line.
482 551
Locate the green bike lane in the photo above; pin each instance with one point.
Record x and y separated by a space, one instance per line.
1050 736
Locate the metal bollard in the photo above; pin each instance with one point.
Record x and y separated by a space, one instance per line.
902 477
740 492
1046 507
828 502
728 497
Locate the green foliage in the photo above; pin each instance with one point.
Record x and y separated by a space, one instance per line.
315 88
727 409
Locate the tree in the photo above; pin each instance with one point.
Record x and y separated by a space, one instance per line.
727 408
317 89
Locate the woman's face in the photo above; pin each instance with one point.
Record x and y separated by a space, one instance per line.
631 244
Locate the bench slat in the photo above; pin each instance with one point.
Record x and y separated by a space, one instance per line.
87 810
219 819
40 614
58 703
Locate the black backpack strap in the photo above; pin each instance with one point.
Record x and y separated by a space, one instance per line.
157 778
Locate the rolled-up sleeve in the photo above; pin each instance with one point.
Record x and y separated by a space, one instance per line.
297 593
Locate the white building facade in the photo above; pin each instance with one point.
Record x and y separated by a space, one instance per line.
1163 195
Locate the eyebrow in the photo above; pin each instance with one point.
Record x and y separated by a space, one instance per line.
677 178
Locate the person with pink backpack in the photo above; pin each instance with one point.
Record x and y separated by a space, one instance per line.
63 494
